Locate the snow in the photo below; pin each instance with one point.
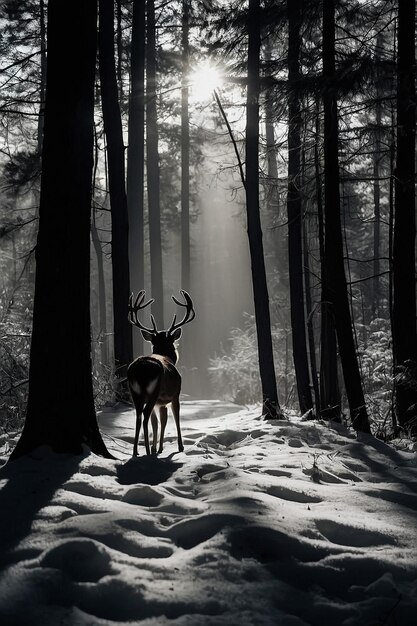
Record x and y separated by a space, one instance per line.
255 523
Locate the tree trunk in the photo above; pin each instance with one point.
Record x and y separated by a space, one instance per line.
295 248
123 349
329 384
42 29
337 295
60 358
377 217
119 47
310 324
404 305
152 169
271 157
275 245
136 155
377 191
390 255
185 151
101 293
309 311
260 288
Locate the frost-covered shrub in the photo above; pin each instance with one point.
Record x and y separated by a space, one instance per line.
235 373
14 373
104 386
376 365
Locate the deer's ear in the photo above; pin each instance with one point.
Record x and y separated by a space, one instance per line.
147 335
176 334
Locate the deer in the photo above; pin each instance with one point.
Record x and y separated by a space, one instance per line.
154 381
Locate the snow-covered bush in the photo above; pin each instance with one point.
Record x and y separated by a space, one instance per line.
14 359
375 352
235 373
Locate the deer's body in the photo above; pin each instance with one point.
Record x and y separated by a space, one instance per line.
154 381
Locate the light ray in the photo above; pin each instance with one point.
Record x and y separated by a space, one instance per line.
204 80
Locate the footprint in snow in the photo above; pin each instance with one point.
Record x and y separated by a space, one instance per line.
189 533
227 438
275 472
144 495
255 434
285 493
82 560
354 536
396 497
208 468
267 545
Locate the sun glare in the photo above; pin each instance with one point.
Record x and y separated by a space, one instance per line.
204 80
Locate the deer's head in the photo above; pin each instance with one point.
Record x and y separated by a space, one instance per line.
163 341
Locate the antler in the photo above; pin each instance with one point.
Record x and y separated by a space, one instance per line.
136 306
189 314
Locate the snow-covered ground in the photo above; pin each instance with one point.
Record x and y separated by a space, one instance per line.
255 523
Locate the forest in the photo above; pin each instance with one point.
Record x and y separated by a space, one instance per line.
250 164
301 132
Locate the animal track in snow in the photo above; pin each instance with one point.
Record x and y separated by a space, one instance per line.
141 539
227 438
286 493
276 472
83 560
143 495
255 434
208 468
190 533
104 601
354 536
408 500
139 546
268 545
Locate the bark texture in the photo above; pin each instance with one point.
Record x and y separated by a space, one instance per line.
123 348
152 162
294 208
136 155
260 288
404 276
337 295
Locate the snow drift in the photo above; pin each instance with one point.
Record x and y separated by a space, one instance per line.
256 523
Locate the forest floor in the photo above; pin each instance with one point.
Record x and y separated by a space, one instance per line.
256 523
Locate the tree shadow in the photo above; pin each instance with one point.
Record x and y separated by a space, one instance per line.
26 486
149 470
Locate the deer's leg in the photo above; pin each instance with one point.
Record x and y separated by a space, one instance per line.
138 401
176 411
163 416
154 420
146 414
